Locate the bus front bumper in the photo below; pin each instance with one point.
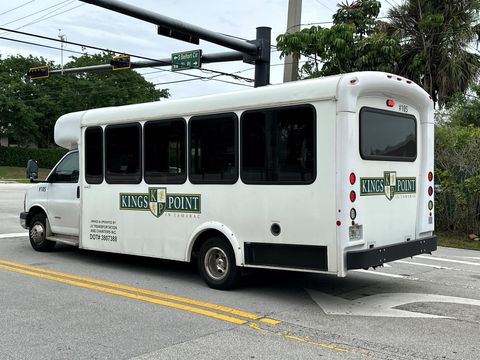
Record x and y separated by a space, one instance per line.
23 219
377 256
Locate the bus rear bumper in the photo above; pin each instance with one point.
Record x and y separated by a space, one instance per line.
361 259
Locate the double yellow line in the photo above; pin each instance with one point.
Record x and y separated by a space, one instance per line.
219 312
215 311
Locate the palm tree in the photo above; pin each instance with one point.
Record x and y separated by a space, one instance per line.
436 38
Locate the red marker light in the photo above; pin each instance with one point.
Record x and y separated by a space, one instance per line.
353 196
353 178
390 103
430 176
430 191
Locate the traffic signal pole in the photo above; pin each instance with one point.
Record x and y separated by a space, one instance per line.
255 51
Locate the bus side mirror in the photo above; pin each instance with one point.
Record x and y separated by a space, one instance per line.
32 170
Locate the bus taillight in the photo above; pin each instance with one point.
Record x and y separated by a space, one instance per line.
353 178
353 196
430 176
430 191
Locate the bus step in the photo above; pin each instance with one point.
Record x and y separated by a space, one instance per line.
70 240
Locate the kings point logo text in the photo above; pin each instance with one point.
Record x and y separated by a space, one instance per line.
158 201
389 185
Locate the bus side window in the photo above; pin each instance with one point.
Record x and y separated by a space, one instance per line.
94 155
123 154
213 149
278 146
66 171
165 151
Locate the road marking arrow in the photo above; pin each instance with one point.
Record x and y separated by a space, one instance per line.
382 305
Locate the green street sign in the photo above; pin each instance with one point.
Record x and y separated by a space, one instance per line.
187 60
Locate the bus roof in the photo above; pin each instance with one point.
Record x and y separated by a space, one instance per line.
67 127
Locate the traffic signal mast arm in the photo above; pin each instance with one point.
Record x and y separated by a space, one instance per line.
206 58
256 51
158 19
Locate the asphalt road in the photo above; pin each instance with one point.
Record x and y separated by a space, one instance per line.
77 304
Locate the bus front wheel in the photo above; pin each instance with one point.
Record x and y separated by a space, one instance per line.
38 232
216 264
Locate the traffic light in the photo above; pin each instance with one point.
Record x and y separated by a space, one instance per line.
183 36
38 72
121 62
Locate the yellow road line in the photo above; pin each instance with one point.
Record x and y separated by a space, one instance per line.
270 321
316 343
304 340
129 295
225 309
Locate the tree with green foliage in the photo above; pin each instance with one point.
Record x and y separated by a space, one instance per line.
114 88
355 42
18 118
464 109
29 108
437 38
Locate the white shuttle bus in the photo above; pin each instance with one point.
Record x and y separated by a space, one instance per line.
323 175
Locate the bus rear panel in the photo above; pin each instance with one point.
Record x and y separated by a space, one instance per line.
386 169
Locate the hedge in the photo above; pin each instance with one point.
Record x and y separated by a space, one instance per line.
457 171
18 156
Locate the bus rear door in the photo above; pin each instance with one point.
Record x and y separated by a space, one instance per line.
388 173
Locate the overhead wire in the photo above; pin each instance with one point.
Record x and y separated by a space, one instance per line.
40 45
46 17
35 13
17 7
325 6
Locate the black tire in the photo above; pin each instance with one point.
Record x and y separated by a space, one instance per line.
38 232
216 264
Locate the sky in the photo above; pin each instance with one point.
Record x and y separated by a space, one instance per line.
95 26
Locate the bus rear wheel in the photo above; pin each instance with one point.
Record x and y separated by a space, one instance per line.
38 233
216 263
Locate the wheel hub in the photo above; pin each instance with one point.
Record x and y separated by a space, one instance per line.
216 263
37 232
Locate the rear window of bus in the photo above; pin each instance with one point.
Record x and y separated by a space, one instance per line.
387 135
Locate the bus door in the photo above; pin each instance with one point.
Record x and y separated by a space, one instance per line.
388 171
63 196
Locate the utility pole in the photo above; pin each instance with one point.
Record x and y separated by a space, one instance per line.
62 39
290 72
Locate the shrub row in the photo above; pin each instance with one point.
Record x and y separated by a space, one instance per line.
18 156
457 163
